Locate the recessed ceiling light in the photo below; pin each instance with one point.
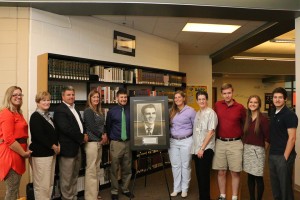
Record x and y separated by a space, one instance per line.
263 58
277 40
210 28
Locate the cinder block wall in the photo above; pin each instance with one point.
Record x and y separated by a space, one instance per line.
14 52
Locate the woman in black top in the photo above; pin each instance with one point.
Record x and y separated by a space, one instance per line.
94 121
44 147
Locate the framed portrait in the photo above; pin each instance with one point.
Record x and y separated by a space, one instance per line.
124 43
149 123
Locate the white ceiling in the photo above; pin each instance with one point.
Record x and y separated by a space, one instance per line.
200 43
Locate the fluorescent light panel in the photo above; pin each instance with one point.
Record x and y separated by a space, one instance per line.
210 28
276 40
263 58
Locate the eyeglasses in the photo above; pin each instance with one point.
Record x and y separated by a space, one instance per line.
17 95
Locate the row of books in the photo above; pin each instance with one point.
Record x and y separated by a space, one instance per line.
112 74
55 91
148 92
109 93
137 76
73 70
70 70
146 77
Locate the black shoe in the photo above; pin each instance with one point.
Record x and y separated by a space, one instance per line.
114 197
128 194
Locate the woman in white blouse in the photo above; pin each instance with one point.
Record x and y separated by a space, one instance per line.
204 143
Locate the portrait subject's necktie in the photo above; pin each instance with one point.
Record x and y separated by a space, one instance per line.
123 130
148 131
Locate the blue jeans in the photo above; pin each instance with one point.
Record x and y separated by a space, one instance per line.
281 171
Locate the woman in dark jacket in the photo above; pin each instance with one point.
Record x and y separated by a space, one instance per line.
44 147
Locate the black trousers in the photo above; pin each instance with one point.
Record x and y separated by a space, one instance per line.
203 167
281 171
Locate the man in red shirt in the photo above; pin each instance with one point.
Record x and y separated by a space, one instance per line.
229 146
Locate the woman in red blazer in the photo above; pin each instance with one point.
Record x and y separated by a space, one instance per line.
13 141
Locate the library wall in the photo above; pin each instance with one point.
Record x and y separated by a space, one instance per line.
198 71
244 87
92 38
14 36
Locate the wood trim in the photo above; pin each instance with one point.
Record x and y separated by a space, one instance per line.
42 72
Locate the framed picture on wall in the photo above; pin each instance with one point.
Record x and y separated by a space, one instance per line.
149 123
124 43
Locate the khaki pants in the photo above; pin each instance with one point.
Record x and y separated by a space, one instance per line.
120 157
68 176
93 152
43 169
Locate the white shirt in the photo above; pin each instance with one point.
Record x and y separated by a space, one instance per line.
205 120
72 108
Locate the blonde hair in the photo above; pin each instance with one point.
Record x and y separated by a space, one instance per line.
7 100
226 86
174 109
89 101
41 96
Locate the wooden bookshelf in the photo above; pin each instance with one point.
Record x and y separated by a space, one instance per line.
55 71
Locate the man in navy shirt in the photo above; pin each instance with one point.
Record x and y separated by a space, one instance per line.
118 129
282 156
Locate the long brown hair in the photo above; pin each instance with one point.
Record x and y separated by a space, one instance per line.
174 109
89 102
7 100
249 116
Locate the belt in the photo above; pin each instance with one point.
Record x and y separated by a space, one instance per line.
122 140
22 140
181 138
229 139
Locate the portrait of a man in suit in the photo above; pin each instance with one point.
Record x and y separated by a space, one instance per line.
150 126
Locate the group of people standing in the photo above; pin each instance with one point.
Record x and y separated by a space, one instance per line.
66 135
232 138
228 137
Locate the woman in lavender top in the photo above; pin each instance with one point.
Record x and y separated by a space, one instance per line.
203 147
181 121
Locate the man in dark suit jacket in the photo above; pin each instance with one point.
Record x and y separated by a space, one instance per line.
149 127
143 129
70 128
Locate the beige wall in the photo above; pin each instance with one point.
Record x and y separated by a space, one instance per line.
198 69
231 66
14 41
244 87
92 38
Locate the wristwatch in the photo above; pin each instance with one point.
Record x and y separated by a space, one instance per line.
202 149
